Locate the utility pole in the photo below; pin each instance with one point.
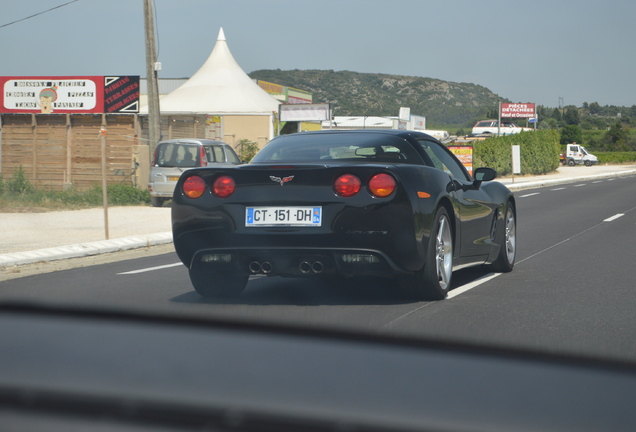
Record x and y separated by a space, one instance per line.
154 120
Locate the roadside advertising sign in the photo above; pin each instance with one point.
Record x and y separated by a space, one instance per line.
121 94
465 155
304 112
295 96
517 110
516 159
69 94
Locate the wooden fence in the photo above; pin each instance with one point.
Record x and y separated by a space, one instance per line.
60 151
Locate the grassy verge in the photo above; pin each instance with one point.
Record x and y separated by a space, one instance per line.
17 194
616 157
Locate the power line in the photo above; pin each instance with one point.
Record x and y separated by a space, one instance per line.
37 14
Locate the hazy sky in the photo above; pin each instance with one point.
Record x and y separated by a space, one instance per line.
540 51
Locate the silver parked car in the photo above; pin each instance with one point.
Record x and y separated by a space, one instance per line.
173 157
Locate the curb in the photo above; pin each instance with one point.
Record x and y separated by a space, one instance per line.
549 182
84 249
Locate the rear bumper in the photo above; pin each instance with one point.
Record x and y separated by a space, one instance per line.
297 262
161 189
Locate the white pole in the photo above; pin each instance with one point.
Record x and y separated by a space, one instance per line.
102 133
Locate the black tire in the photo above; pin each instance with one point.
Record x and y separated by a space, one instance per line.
588 163
156 201
434 280
571 162
219 284
507 239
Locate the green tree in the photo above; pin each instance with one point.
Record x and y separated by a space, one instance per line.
594 108
571 134
548 123
543 112
571 115
556 114
615 138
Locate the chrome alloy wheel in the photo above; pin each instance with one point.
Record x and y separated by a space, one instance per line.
511 235
444 252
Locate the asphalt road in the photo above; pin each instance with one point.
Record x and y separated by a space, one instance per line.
572 290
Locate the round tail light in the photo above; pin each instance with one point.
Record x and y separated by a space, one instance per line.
347 185
193 187
381 185
223 186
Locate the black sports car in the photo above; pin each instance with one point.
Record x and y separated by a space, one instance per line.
388 203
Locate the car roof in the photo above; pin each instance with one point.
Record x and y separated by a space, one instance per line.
393 132
192 141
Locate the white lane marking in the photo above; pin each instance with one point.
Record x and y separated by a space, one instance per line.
453 293
557 189
616 216
528 195
462 289
598 181
149 269
579 185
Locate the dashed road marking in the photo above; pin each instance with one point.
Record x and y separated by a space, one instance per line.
462 289
149 269
613 218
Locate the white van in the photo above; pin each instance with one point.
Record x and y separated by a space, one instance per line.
576 154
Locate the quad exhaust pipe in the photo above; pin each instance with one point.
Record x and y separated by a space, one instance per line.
306 267
265 267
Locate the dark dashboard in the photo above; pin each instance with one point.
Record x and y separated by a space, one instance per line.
69 369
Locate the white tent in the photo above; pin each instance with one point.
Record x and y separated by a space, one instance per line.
219 87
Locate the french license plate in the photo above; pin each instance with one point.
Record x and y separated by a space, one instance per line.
283 216
173 178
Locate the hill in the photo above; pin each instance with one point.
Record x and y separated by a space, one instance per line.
354 93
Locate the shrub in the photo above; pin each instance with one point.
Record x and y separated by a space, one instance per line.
19 183
616 157
539 152
122 194
118 194
247 150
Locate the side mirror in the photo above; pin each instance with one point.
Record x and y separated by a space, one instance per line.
482 175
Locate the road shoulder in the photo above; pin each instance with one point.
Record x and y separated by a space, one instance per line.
16 272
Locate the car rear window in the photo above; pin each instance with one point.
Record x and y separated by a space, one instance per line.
177 155
338 147
214 153
484 124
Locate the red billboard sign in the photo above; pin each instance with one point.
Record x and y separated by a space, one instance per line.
517 110
465 155
121 94
69 94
